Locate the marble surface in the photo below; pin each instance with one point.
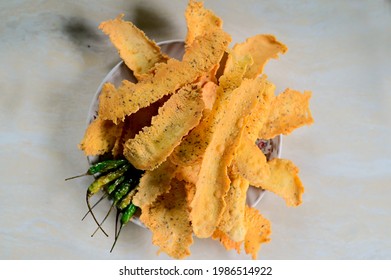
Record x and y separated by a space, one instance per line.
53 57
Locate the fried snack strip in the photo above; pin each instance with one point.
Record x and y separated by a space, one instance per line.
261 48
283 181
213 182
168 220
100 137
258 231
226 241
151 146
134 123
289 110
203 56
154 183
138 52
250 162
193 146
259 115
232 221
199 20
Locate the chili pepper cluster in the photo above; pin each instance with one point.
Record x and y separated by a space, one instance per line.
118 180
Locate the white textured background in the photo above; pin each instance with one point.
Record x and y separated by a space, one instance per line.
53 57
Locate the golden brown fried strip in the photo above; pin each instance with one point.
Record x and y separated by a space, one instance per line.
283 181
168 220
100 137
250 162
203 56
139 53
193 146
289 110
134 123
154 183
213 182
181 113
226 241
259 115
199 21
232 221
258 231
261 48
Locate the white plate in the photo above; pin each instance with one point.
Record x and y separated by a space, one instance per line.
175 49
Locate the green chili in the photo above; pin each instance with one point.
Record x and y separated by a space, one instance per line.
101 167
127 214
102 181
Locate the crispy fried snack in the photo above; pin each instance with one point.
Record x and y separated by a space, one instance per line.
261 48
232 221
138 52
134 123
181 113
213 182
192 148
100 137
192 125
289 110
226 241
258 231
203 56
259 115
283 181
199 21
250 162
154 183
168 220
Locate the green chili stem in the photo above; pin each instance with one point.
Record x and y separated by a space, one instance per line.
127 214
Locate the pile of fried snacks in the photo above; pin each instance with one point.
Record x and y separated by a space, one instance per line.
191 126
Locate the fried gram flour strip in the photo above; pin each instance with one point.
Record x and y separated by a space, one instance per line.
261 48
151 146
289 110
203 56
213 182
168 220
199 21
138 52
